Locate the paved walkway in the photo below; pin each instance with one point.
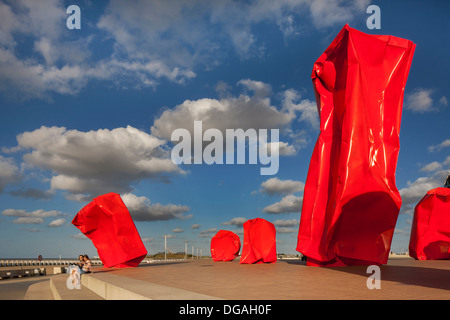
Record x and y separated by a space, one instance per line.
204 279
401 279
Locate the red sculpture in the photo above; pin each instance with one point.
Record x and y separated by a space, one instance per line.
107 222
351 202
259 242
430 232
225 246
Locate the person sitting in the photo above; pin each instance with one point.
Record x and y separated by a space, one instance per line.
87 265
80 262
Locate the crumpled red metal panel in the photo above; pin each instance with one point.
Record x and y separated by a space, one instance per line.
259 242
107 222
351 202
430 232
225 246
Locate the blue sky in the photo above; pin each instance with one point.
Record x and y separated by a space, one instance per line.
91 111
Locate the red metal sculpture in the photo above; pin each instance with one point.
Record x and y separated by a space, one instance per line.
351 202
259 242
107 222
225 246
430 232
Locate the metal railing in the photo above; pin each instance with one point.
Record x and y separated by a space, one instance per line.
43 262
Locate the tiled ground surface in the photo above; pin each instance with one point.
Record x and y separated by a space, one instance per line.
292 280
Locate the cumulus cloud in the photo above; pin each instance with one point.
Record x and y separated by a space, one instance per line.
420 100
9 172
141 209
289 203
286 222
143 42
33 214
416 190
326 13
440 146
96 162
32 193
208 233
57 223
33 217
29 220
275 186
286 226
433 166
293 103
79 236
242 112
251 110
238 221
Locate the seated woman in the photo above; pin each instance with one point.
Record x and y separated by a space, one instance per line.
86 268
80 262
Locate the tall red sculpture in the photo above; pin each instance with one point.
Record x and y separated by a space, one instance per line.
225 246
430 232
259 242
351 202
107 222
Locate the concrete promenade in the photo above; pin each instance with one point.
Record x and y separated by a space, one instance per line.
204 279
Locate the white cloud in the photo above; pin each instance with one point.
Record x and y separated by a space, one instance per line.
433 166
9 172
29 220
275 186
289 203
79 236
142 210
57 223
146 40
208 233
238 221
286 230
34 214
96 162
416 190
34 217
419 100
286 223
326 13
443 144
242 112
245 111
307 108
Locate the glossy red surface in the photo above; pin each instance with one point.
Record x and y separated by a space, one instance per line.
225 246
259 242
430 232
107 222
351 202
